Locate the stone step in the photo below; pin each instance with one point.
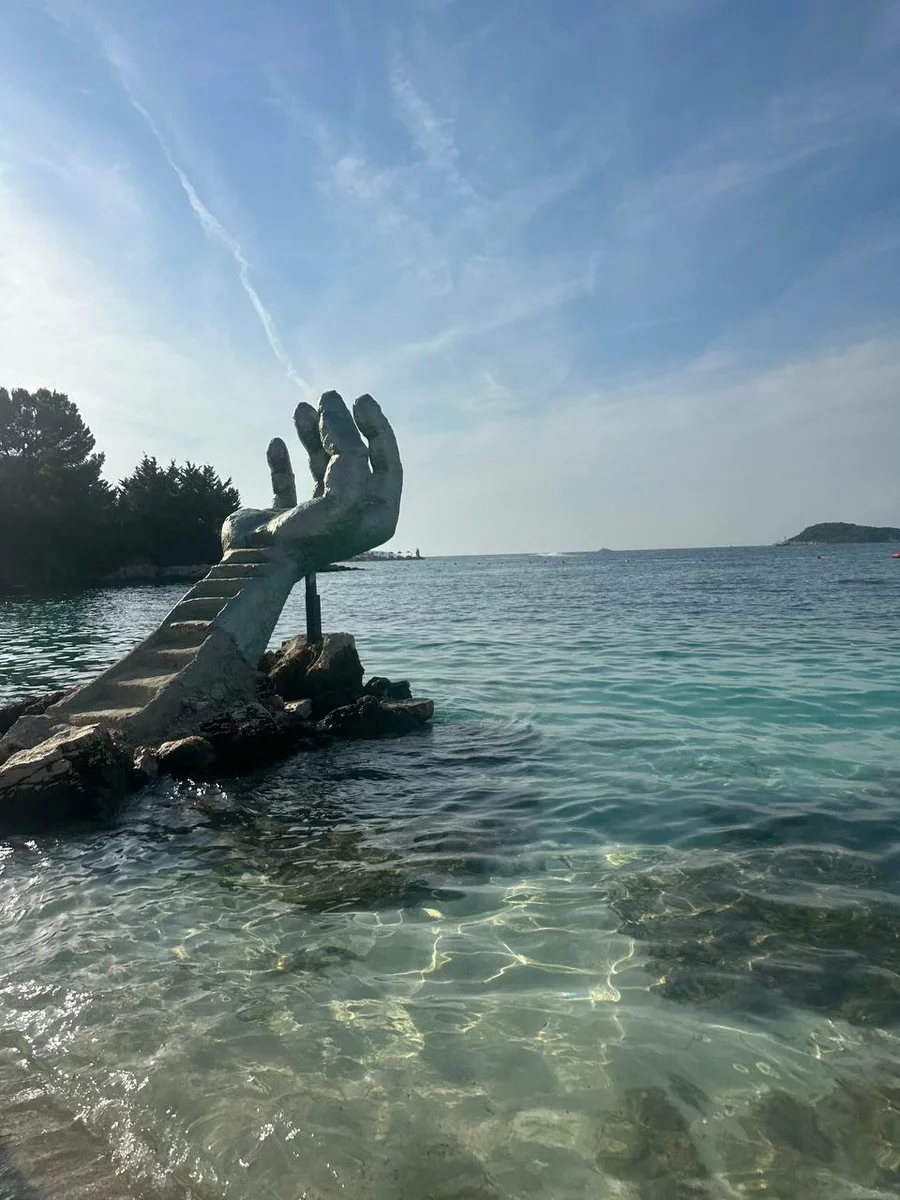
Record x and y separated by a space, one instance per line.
160 660
126 693
154 673
102 716
203 608
246 556
224 589
236 570
181 633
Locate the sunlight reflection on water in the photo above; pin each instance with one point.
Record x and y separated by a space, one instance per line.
621 924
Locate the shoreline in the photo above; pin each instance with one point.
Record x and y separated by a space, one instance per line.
158 577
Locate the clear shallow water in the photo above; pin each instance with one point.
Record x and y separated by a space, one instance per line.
625 923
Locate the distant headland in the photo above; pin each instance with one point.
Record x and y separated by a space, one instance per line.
834 533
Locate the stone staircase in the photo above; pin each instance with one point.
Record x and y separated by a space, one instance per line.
141 680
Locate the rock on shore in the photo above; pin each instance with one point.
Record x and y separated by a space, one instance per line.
76 772
31 706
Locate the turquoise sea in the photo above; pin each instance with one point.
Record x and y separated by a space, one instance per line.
625 923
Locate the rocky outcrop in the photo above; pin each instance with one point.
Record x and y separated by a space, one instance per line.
186 758
383 689
838 533
31 706
145 765
328 673
305 695
255 734
73 773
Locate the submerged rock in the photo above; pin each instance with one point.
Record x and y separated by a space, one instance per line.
255 734
368 717
732 933
70 774
649 1143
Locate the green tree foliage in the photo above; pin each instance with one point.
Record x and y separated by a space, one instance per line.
56 511
172 515
61 522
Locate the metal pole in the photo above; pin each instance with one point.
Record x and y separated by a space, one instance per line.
313 611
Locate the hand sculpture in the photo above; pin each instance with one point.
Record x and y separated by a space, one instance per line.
202 664
356 498
211 642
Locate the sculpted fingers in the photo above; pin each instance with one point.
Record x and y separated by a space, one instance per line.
348 465
387 470
338 429
306 422
358 486
283 486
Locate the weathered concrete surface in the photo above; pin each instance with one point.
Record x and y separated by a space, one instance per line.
71 773
164 687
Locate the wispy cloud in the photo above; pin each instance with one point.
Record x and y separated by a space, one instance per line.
799 126
510 311
214 228
520 232
120 62
676 458
432 135
451 273
62 324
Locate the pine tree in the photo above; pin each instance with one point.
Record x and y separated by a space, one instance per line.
173 515
55 508
61 523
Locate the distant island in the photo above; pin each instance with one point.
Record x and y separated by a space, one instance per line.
835 533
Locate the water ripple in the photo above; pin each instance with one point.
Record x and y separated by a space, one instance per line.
622 923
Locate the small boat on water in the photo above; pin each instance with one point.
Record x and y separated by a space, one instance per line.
895 554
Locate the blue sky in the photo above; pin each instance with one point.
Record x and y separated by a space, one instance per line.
623 273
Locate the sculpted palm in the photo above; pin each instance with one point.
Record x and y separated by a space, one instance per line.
356 494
